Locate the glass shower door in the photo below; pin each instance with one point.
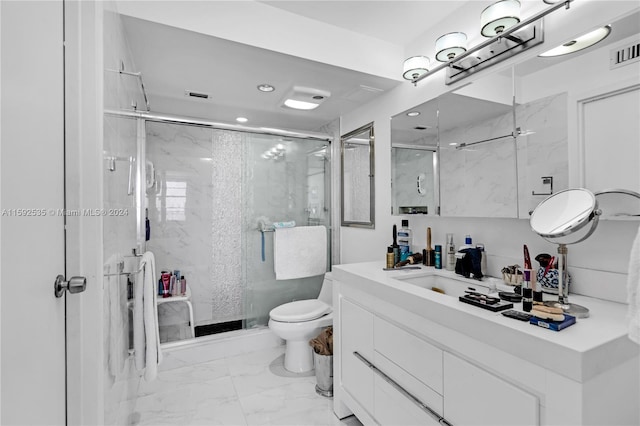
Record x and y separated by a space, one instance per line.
284 179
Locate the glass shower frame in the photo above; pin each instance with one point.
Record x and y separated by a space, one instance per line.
261 291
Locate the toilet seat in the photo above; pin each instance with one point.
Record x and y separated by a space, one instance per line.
300 311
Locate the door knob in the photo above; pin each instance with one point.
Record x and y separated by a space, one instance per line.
74 285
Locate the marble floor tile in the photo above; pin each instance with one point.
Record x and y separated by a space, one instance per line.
184 377
243 390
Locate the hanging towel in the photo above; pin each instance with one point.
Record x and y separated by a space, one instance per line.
146 336
300 252
633 291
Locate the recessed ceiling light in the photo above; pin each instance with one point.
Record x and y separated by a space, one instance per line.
413 113
453 144
266 87
242 119
579 43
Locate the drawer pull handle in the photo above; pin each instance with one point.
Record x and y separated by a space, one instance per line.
403 391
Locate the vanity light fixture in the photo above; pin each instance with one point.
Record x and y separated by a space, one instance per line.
415 67
264 87
242 119
450 45
499 17
507 35
413 113
579 43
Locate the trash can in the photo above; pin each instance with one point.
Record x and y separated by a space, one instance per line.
324 374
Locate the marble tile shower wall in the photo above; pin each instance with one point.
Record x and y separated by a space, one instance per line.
119 234
182 206
212 188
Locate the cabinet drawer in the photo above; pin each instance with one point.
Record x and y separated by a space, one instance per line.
415 387
356 335
474 396
394 408
421 359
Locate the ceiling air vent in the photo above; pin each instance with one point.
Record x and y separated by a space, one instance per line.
198 95
624 55
422 127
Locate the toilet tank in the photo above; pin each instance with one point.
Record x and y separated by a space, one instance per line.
326 291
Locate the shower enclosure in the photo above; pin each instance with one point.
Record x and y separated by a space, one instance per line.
205 192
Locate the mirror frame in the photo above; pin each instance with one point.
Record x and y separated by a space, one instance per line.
344 139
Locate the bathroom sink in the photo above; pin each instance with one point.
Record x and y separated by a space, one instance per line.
450 286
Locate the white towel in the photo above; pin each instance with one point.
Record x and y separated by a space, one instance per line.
300 252
633 291
146 336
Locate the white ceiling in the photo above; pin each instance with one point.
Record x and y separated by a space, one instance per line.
174 59
398 22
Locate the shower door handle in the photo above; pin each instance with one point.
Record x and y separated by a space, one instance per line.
74 285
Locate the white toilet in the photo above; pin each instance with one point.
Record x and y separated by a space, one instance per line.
300 321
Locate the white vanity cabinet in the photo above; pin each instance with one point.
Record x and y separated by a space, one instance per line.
405 355
390 383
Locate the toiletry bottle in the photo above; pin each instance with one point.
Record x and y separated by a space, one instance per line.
390 257
396 248
404 240
429 258
451 253
183 285
172 286
175 290
467 243
166 284
527 300
438 257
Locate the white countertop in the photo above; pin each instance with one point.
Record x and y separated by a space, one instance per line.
580 352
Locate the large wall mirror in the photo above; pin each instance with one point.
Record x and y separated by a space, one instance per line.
357 168
504 139
477 149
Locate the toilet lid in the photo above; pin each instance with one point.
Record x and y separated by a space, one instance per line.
300 310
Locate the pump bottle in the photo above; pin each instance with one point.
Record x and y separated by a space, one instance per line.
404 240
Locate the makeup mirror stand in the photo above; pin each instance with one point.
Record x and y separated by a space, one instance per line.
577 311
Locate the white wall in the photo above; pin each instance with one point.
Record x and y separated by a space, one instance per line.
598 265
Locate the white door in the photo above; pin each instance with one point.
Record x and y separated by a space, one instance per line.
50 137
32 228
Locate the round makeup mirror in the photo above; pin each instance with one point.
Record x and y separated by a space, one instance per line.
566 217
